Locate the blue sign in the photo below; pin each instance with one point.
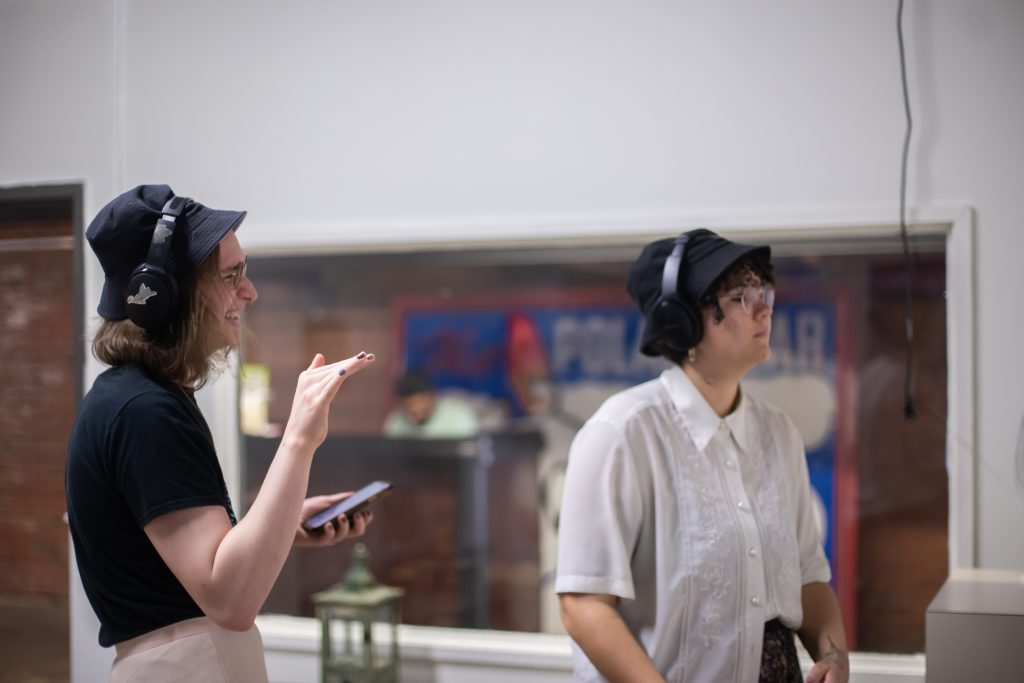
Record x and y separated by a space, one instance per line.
489 350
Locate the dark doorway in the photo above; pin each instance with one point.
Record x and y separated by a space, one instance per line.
40 386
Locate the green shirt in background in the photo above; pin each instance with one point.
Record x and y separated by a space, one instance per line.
452 418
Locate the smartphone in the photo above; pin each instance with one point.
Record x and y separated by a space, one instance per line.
354 503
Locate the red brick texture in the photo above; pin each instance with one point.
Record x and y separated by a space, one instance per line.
37 394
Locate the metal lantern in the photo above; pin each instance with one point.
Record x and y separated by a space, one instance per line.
359 620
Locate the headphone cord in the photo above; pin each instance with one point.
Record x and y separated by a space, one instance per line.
909 410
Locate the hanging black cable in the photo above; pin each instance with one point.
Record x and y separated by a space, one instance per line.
909 411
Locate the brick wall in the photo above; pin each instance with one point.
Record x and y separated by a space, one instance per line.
37 395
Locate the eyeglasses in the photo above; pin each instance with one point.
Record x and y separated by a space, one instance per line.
233 278
749 296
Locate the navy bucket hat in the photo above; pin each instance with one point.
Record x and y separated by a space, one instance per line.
121 232
706 258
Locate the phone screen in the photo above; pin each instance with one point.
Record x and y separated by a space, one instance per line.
357 501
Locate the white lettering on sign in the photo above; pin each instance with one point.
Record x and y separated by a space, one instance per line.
798 342
596 344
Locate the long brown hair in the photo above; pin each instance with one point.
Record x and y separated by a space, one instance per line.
184 353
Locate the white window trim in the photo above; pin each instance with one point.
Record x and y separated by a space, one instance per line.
293 643
218 401
961 368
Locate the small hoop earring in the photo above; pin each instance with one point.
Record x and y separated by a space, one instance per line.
691 355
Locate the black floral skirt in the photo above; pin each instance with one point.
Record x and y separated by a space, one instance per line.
779 663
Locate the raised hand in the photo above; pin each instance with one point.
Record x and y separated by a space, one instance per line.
317 386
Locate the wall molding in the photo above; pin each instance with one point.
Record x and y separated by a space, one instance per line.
266 237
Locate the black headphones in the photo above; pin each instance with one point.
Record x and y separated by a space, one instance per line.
676 321
152 292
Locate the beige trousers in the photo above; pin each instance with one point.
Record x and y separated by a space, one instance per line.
195 650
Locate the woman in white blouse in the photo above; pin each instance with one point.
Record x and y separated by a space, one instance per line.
687 548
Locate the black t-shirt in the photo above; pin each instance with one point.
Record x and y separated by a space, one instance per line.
139 448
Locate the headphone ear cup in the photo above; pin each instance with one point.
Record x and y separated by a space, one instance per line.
678 324
152 298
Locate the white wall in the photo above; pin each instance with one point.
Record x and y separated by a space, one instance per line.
973 149
340 121
328 117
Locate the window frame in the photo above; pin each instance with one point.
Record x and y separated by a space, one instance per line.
220 399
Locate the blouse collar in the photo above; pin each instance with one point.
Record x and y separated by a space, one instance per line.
699 418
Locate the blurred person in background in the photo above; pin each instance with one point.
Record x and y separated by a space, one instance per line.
423 414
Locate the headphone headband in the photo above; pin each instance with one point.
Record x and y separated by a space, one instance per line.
160 244
670 274
673 319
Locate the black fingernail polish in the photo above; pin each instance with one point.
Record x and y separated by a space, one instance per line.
362 355
341 372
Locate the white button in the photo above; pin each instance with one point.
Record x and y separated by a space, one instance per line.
753 552
756 602
730 464
741 505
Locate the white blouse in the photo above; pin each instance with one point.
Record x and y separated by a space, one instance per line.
702 526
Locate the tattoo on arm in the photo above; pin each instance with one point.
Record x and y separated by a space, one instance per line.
836 654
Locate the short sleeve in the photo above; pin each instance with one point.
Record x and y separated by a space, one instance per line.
814 567
163 458
601 515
